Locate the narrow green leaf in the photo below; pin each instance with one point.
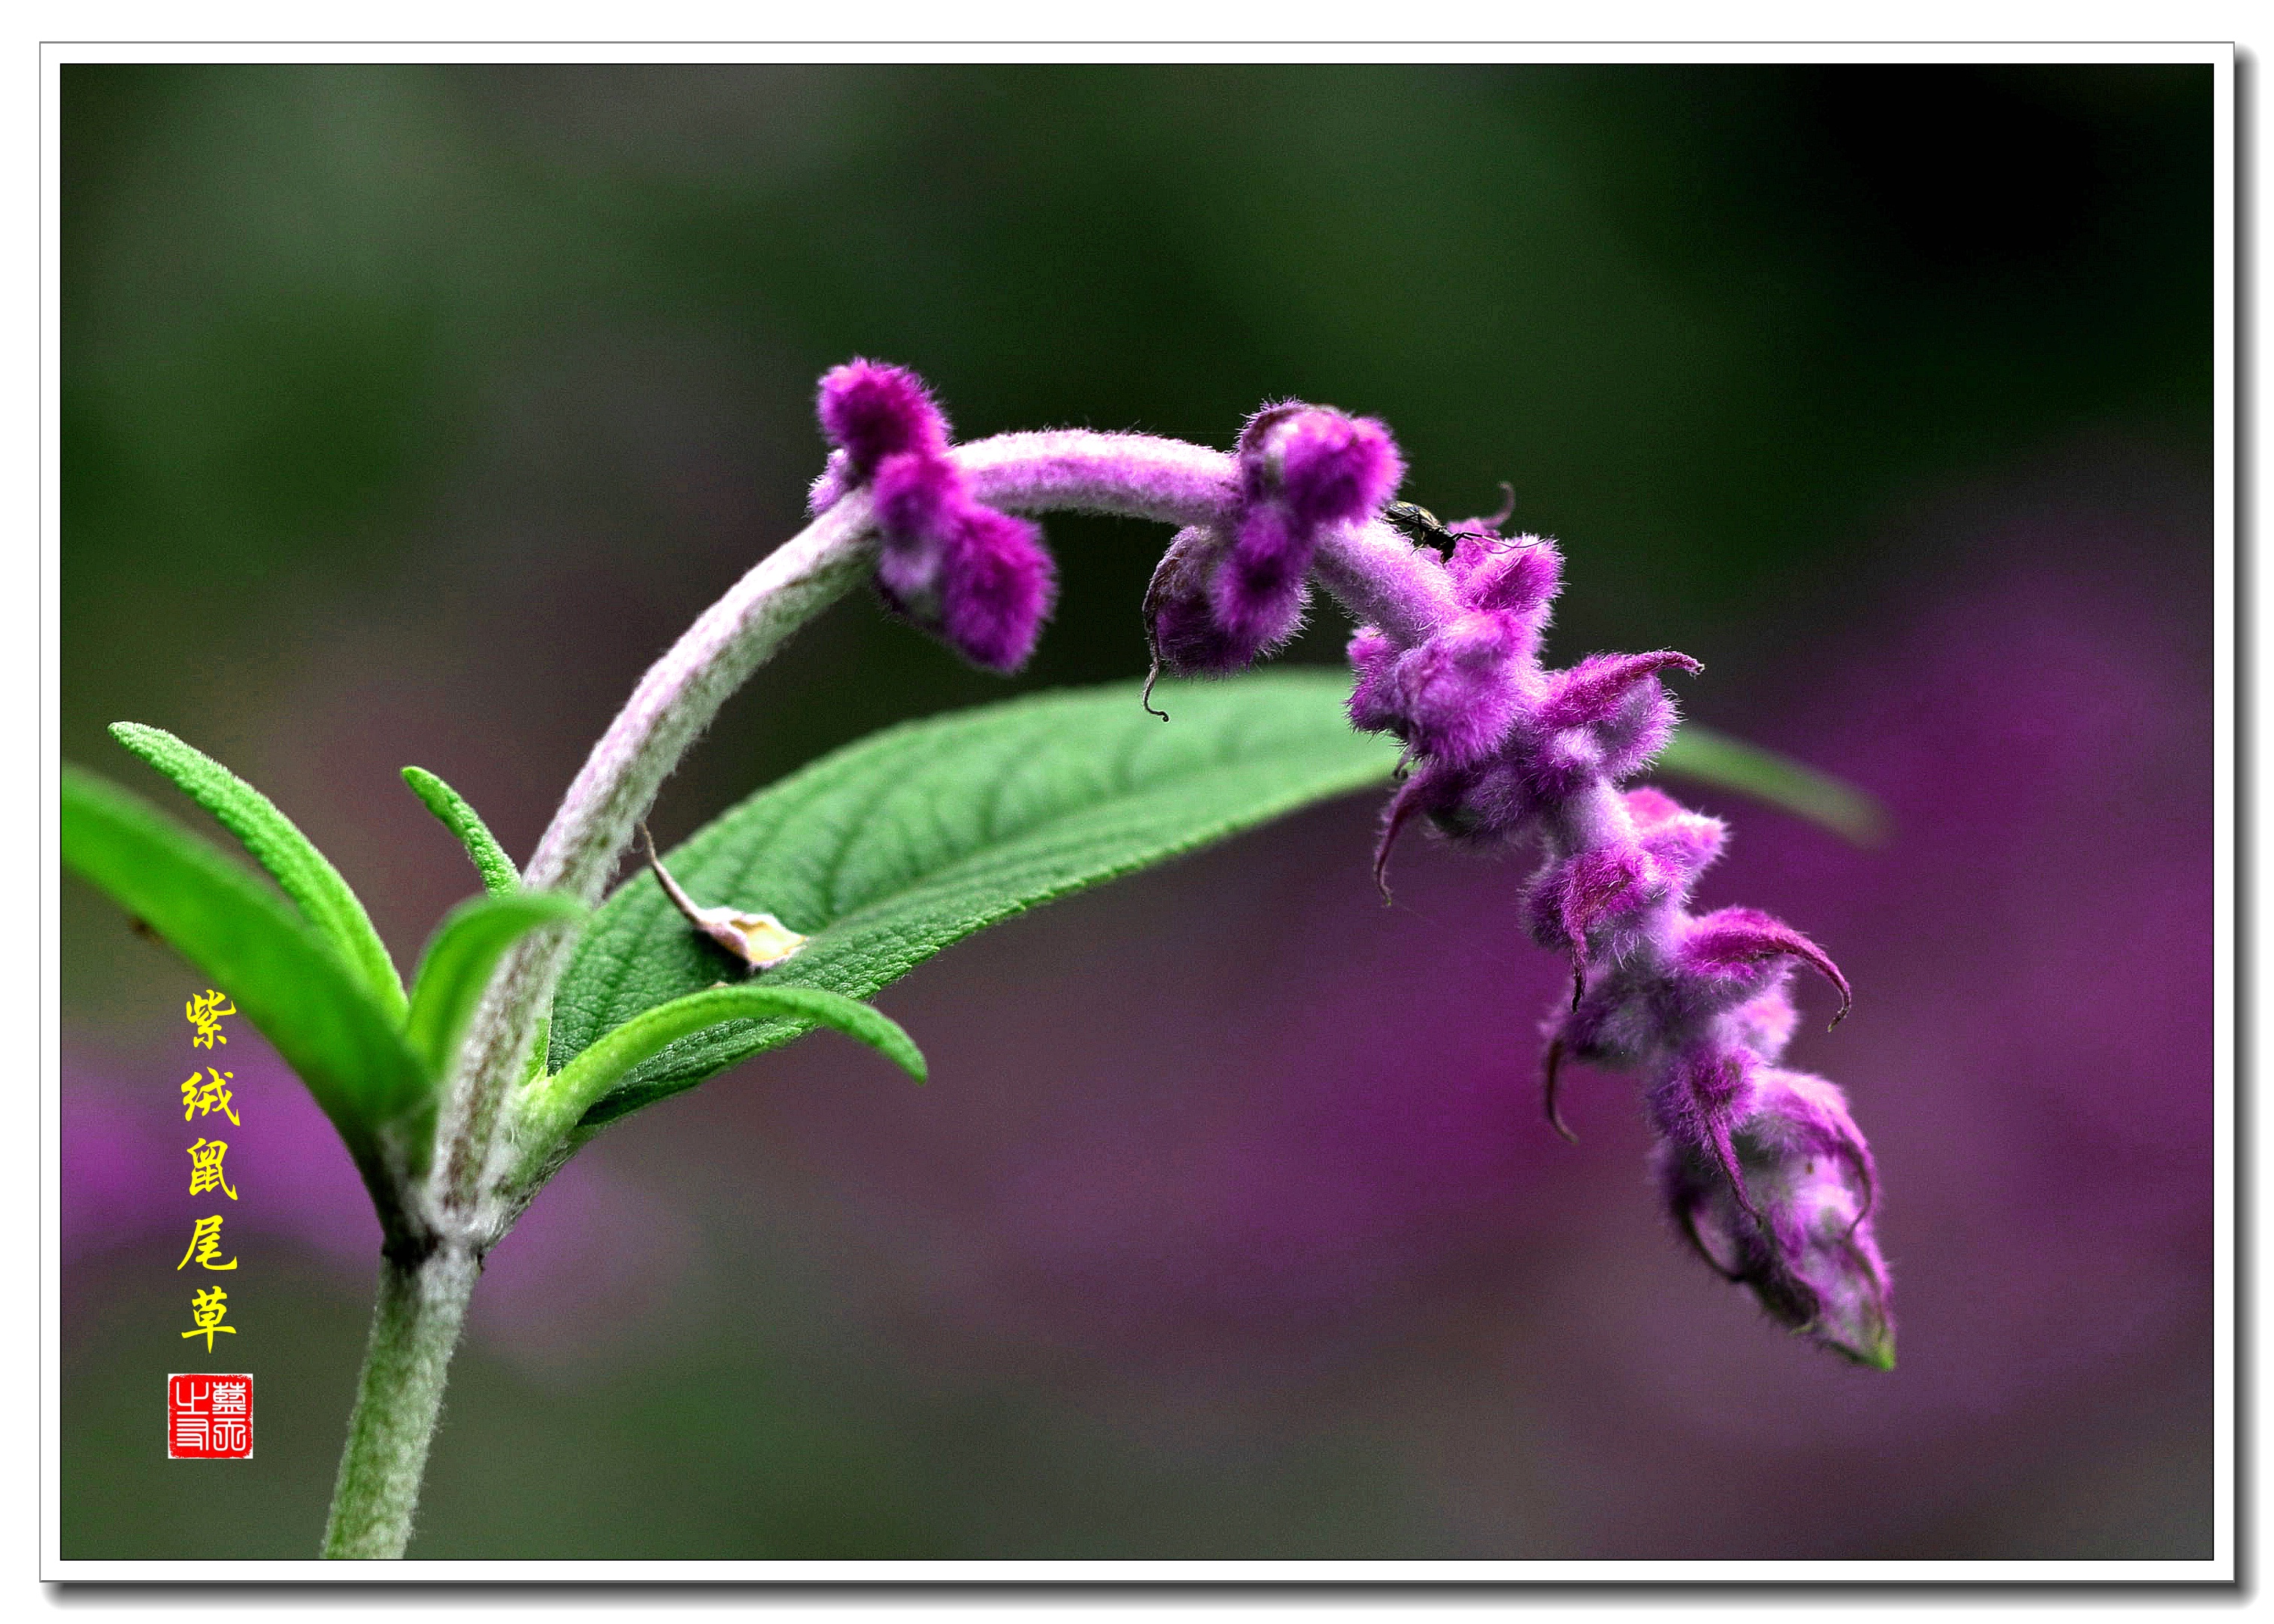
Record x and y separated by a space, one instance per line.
896 846
1711 757
561 1100
498 876
277 846
892 848
456 967
282 975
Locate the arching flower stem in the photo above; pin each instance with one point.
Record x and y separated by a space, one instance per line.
1129 476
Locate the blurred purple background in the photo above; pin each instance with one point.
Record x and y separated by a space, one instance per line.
1227 1162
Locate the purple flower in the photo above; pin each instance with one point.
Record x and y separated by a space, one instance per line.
1763 1169
1798 1231
978 577
872 411
1226 593
1181 614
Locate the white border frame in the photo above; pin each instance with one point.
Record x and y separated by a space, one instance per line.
2222 1565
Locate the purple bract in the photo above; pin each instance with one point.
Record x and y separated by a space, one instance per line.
978 577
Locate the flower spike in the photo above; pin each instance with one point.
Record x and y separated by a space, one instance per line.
1763 1170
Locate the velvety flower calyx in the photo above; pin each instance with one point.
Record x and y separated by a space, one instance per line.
1228 592
1801 1239
978 578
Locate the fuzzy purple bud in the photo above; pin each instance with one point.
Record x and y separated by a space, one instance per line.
1257 592
1455 697
979 578
1181 627
1805 1246
1573 899
1302 469
1232 589
1000 587
915 494
873 411
1331 468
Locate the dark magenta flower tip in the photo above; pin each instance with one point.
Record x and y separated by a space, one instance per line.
1182 629
997 587
1733 944
1333 469
1805 1246
1434 790
1598 688
874 410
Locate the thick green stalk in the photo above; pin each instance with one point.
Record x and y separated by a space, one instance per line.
421 1307
422 1304
674 702
472 1191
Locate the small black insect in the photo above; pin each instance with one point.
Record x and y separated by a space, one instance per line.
1417 522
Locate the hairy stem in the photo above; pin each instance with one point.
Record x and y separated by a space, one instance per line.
674 702
472 1194
1130 475
398 1401
1383 580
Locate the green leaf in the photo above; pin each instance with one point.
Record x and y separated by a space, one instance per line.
1715 758
896 846
498 876
282 975
277 846
459 958
561 1100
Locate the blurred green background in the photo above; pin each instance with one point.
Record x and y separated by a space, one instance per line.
408 413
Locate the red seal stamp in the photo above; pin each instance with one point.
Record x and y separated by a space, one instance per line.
209 1418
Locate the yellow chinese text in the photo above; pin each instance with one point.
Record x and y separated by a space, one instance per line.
204 1168
207 1310
205 1012
200 1099
204 1245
